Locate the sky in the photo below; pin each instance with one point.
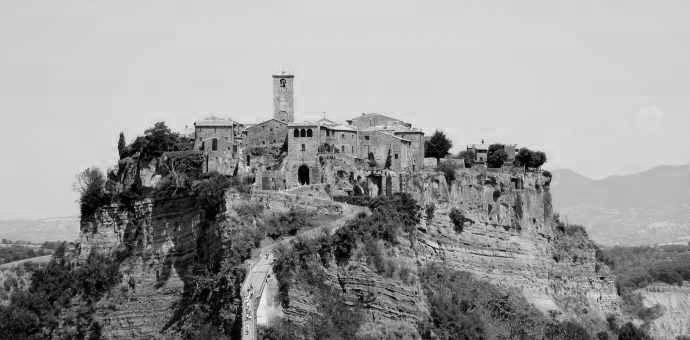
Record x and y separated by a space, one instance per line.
602 86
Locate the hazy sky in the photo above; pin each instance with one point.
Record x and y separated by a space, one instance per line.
602 86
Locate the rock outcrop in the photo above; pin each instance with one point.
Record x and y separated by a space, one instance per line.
159 237
509 238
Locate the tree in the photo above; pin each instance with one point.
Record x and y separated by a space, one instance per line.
527 158
537 159
522 159
496 156
90 184
121 145
437 146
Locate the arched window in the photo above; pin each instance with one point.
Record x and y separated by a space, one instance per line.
304 147
342 148
296 133
309 133
302 133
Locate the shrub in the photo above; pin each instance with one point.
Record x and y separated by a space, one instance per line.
462 307
448 169
90 185
210 193
287 223
458 220
630 332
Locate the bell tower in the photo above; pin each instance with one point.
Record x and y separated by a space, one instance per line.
283 98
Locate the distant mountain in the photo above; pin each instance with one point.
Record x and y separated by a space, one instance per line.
649 207
41 230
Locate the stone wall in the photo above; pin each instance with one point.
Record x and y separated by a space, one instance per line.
268 133
310 198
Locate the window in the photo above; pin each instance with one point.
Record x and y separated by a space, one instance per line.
342 148
203 145
342 136
309 133
302 133
296 133
274 141
353 149
328 133
263 142
366 137
214 144
304 147
396 156
271 129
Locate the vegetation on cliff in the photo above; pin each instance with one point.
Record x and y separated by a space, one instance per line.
59 303
638 267
463 307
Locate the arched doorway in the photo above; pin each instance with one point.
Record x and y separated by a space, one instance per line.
303 175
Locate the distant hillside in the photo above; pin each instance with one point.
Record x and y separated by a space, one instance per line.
649 207
41 230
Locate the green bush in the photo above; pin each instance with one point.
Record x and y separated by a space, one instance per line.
90 185
288 224
462 307
53 290
209 192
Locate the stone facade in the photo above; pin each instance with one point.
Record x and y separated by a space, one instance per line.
219 141
283 97
318 152
268 133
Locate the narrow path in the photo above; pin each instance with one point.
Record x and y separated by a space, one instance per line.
255 282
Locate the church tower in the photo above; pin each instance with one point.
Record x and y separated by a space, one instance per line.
283 98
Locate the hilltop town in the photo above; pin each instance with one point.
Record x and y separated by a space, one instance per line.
319 230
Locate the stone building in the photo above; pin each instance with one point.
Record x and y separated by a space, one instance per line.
372 153
219 141
283 97
270 133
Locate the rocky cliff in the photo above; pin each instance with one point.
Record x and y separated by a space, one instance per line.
509 238
158 238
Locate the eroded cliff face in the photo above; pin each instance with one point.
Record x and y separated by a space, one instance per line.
160 239
675 305
509 239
